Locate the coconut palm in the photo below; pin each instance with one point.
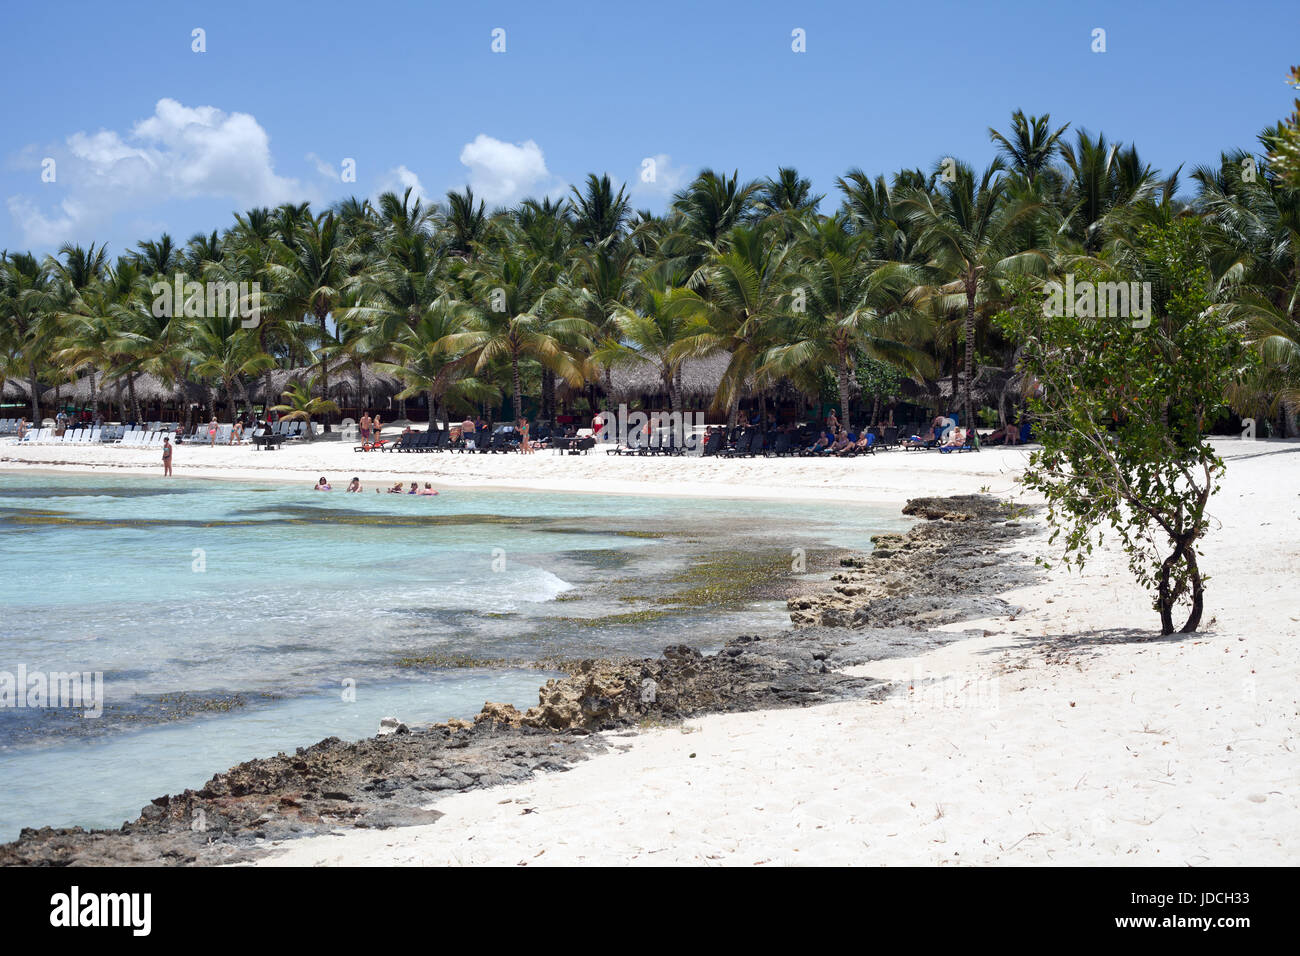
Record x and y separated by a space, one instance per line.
1031 144
704 214
29 304
598 212
845 304
426 362
659 332
1106 180
512 321
309 271
465 226
302 404
967 231
749 286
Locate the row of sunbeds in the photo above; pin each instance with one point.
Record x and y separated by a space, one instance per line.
146 436
127 435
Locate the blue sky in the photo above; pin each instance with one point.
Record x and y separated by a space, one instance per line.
148 135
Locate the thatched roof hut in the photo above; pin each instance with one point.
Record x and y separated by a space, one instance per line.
16 390
148 388
342 381
700 378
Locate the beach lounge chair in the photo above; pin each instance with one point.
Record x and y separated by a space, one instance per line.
743 448
780 446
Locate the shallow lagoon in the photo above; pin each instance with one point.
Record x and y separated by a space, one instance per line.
230 620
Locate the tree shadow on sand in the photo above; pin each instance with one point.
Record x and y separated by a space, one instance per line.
1096 640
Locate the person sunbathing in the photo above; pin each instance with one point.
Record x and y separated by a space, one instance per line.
921 440
822 443
841 443
956 438
859 447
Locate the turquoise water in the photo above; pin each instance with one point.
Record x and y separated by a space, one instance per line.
229 619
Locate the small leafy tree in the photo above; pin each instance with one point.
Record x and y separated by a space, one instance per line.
1122 404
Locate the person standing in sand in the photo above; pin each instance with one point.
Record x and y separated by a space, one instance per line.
212 432
365 428
524 447
376 427
167 457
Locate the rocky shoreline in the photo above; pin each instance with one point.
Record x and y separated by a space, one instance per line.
948 567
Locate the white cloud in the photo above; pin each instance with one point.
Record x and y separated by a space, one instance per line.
398 180
667 178
502 173
178 153
325 169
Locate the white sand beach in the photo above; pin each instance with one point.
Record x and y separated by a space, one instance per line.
1072 734
888 477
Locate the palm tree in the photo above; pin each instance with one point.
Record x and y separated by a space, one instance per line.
846 304
871 210
598 212
160 258
1106 180
301 405
1031 144
659 332
465 226
309 272
704 214
967 231
511 321
426 362
29 302
223 350
748 292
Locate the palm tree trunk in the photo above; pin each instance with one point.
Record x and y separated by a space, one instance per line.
842 379
514 370
324 369
36 396
130 390
968 416
433 409
548 394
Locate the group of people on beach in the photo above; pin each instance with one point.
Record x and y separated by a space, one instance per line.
354 486
474 430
